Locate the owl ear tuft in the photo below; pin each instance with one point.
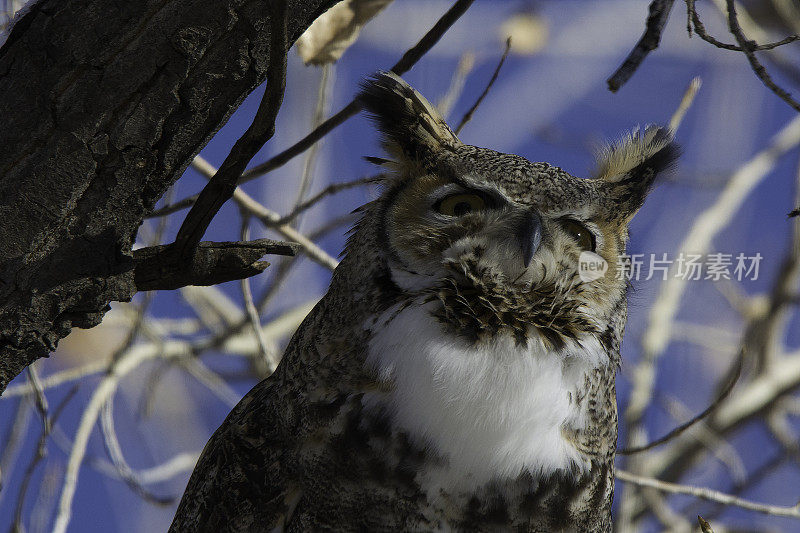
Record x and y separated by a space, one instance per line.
630 165
412 128
637 153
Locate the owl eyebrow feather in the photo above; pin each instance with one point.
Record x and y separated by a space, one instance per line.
492 197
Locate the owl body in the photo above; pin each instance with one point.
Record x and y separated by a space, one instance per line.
458 375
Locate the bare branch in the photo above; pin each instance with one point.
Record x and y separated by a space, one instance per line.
751 399
159 267
270 219
707 494
174 207
11 442
211 380
41 452
41 399
656 20
168 469
129 361
405 63
145 125
59 378
697 25
220 187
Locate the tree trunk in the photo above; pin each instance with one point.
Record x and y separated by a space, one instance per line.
103 106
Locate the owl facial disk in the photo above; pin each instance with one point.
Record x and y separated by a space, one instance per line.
433 222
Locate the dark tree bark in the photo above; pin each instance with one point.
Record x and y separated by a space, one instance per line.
103 105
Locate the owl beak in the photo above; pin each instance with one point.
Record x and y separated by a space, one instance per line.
529 236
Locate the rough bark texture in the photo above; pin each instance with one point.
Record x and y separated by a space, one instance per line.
103 105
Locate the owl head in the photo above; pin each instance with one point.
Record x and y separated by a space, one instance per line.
498 241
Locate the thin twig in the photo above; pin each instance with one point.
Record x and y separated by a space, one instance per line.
747 48
170 468
781 428
333 188
41 453
281 273
707 494
150 475
276 328
465 65
719 447
214 308
170 208
750 401
114 451
41 399
45 498
221 187
213 382
41 449
686 103
468 115
11 442
671 520
755 477
697 25
320 110
656 20
250 308
737 372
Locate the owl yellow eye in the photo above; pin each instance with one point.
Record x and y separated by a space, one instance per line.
580 233
460 204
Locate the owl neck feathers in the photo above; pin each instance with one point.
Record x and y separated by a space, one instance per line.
492 410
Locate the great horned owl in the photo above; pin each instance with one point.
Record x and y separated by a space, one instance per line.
458 374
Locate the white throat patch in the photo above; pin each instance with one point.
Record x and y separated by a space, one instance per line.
492 410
